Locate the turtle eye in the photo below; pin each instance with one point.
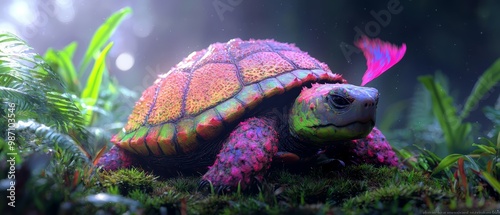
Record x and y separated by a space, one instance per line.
338 102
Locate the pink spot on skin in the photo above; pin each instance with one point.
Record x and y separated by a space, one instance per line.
380 158
380 56
312 106
236 172
370 153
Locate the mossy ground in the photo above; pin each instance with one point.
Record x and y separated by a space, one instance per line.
350 190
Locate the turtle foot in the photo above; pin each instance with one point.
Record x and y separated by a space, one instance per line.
374 149
245 156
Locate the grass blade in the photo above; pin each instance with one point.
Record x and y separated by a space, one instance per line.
61 61
91 92
492 181
101 37
447 162
486 149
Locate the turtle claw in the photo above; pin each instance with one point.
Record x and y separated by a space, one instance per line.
203 185
322 159
332 161
206 186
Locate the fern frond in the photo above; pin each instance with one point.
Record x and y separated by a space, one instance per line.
50 137
487 80
455 131
420 115
27 81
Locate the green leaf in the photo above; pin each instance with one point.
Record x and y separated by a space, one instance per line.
101 37
498 140
37 91
432 156
492 181
455 132
70 49
492 114
420 114
67 64
447 162
486 149
487 80
91 92
62 62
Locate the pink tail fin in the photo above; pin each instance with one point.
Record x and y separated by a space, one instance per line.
380 56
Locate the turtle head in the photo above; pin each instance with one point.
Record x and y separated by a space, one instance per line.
327 113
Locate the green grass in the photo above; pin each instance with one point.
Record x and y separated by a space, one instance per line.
353 189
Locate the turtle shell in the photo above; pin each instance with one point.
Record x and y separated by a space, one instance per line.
214 87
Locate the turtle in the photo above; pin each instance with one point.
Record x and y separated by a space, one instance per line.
232 110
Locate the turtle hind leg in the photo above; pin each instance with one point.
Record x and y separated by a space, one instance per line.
116 158
245 156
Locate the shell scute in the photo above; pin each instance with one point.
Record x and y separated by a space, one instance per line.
186 135
151 140
240 49
208 124
138 142
171 88
262 65
211 84
166 139
302 60
230 110
271 87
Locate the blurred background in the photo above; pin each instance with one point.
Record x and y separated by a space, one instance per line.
459 38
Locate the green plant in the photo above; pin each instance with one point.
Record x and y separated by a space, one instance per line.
54 143
98 81
457 133
99 86
486 154
128 180
30 89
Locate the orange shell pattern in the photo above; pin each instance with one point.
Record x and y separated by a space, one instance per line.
214 87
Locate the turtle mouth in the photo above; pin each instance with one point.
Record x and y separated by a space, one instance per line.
359 123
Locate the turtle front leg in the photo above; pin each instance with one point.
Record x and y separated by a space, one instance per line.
373 149
116 158
245 155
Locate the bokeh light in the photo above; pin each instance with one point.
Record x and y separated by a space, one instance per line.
22 12
125 61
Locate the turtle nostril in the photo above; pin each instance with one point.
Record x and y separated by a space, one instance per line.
370 104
